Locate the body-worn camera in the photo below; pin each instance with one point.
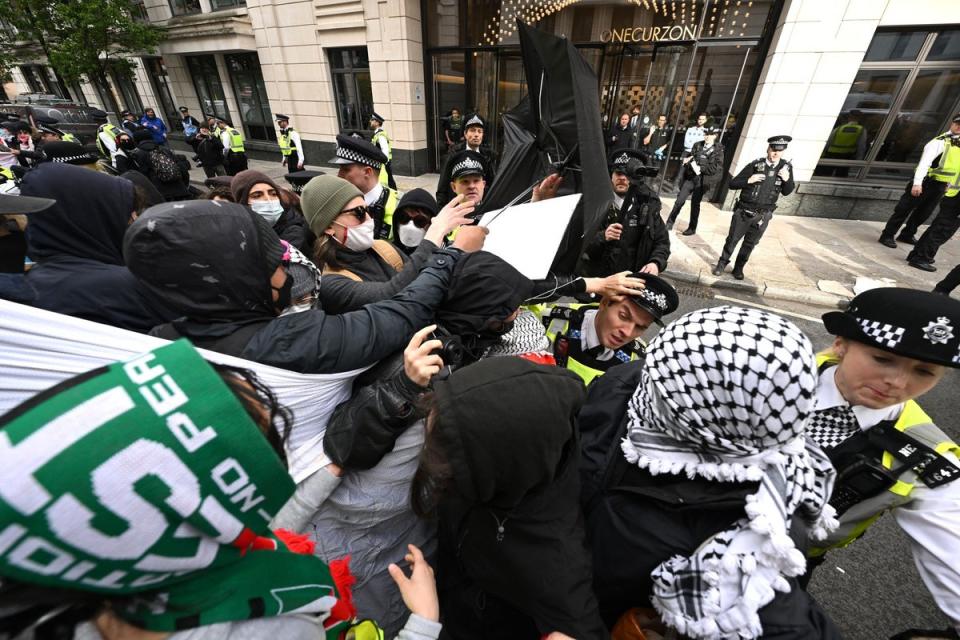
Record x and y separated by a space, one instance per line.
637 169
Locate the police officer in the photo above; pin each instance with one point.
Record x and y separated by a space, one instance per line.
846 142
762 181
234 153
49 132
107 137
938 167
588 339
299 179
474 133
291 148
361 164
924 253
893 345
702 171
633 237
381 140
129 122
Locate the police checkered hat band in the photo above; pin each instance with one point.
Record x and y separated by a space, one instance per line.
467 165
474 121
622 159
357 157
658 300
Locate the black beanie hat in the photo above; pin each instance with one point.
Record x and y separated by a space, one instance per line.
419 199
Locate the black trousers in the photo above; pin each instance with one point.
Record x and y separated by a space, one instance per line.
914 210
951 282
215 170
687 189
747 227
234 163
293 162
940 230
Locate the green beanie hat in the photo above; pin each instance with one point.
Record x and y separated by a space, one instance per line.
324 198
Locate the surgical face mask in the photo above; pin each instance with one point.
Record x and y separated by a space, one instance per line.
270 210
360 237
410 235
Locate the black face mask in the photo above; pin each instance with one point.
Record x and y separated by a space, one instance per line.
284 294
128 144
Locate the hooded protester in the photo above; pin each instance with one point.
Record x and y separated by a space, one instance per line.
265 198
120 158
220 266
159 163
412 218
358 269
699 490
77 247
499 468
376 435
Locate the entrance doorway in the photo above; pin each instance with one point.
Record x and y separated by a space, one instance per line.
678 81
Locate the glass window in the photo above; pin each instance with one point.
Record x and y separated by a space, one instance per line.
227 4
449 93
139 11
123 81
35 78
351 85
946 46
895 45
184 7
921 116
160 82
251 94
864 112
890 173
206 81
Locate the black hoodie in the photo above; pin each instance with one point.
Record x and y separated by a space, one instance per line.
511 532
212 262
77 245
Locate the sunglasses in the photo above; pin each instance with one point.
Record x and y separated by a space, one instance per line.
360 213
419 220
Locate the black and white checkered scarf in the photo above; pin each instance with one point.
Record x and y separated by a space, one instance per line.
725 395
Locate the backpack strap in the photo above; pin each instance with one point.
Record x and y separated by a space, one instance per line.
330 271
389 254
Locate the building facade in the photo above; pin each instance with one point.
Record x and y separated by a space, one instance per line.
886 72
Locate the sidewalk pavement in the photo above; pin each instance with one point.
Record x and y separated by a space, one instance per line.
817 261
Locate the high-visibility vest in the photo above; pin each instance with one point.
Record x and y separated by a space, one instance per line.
564 321
6 173
845 139
112 131
69 137
918 425
286 148
947 168
236 140
384 176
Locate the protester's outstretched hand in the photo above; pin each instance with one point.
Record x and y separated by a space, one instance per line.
471 238
419 591
547 188
651 268
619 284
420 363
450 217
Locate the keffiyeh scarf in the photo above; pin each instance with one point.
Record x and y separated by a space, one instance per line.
725 395
148 478
526 336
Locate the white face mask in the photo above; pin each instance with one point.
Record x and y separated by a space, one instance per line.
270 210
360 237
410 235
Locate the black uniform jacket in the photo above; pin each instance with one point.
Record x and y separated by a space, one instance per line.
635 520
644 238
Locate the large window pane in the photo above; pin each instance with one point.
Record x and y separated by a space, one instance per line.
123 81
251 94
946 46
864 111
161 89
351 86
184 7
895 45
926 107
227 4
449 93
206 81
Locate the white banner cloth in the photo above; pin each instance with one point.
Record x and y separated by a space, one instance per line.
39 349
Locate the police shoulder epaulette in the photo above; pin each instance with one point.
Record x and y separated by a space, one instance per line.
561 312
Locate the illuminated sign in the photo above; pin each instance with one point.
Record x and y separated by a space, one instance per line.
650 34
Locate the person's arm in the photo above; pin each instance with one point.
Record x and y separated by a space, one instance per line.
295 139
295 515
225 141
932 523
661 238
649 136
384 145
930 152
739 181
788 185
318 342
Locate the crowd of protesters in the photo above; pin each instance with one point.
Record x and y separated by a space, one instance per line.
512 459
